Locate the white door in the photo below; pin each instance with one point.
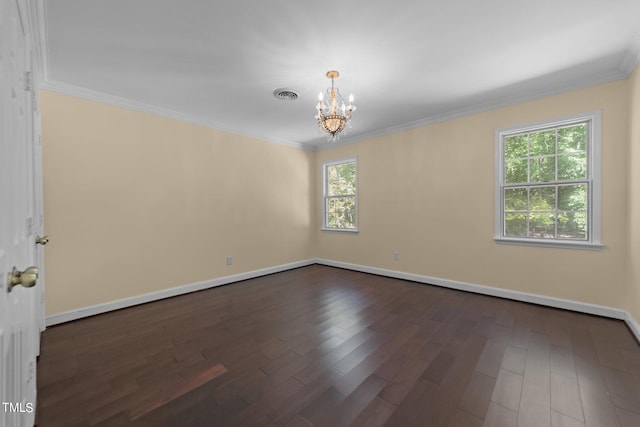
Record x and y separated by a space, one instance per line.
20 307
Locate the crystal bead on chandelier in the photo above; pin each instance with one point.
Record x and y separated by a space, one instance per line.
333 114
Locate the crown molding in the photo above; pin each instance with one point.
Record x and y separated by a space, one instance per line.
129 104
506 101
631 60
629 63
632 57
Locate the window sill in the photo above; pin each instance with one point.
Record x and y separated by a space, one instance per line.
561 244
340 230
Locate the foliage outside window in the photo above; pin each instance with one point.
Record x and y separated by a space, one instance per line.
548 183
340 195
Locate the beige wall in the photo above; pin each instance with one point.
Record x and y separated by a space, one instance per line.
136 203
429 194
634 195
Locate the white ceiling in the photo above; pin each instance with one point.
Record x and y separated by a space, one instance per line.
407 62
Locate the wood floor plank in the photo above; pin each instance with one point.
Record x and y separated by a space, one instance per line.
439 367
477 396
491 359
625 393
319 346
535 402
307 395
390 368
464 419
598 408
628 418
514 360
375 414
562 361
318 410
356 402
173 392
561 420
416 408
401 384
565 396
508 389
499 416
325 363
352 379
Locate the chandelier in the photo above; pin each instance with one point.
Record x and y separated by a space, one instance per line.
333 114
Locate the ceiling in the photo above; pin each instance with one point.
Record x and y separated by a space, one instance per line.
408 63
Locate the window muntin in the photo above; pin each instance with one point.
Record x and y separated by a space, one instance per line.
548 183
340 195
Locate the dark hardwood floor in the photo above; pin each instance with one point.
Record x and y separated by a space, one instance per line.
321 346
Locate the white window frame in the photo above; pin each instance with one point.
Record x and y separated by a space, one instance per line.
326 197
594 179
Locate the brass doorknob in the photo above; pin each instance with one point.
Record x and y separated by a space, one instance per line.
42 240
26 278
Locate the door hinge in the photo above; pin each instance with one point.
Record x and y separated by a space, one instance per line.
28 81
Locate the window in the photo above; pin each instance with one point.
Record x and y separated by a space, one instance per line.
548 183
340 196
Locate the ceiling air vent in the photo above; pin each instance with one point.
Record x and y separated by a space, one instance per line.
285 94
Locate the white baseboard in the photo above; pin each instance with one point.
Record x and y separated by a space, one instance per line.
581 307
633 325
167 293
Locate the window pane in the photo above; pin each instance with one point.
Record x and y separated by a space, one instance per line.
332 178
343 219
347 203
542 225
515 171
341 179
331 220
572 166
347 172
572 139
349 218
342 201
341 212
543 198
515 199
572 225
572 197
331 205
515 224
543 169
543 143
515 147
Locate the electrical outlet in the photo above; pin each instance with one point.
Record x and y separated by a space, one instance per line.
396 255
229 260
